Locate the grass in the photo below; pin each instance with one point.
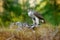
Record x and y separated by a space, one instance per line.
43 32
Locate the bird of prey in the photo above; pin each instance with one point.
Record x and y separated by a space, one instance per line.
36 17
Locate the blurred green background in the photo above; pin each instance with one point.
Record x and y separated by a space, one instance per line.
16 10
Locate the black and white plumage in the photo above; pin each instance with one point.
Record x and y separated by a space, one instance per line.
19 25
36 17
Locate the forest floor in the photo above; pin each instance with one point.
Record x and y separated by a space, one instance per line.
44 32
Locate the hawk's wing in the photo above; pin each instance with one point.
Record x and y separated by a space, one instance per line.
38 15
